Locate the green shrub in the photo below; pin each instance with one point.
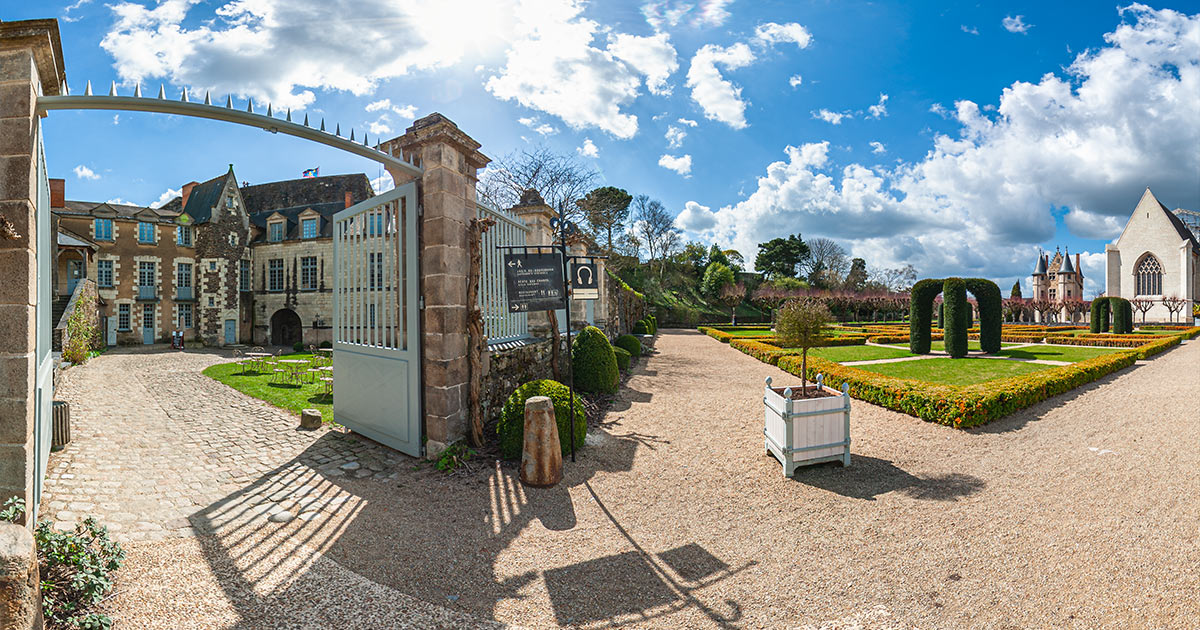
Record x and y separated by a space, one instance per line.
920 314
639 328
593 362
631 344
991 312
326 344
716 277
1122 315
652 326
623 358
80 335
1099 315
954 294
511 426
653 322
298 346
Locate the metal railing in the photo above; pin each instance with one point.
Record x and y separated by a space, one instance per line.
183 293
499 325
146 292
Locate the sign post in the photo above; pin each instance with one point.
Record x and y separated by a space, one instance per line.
585 283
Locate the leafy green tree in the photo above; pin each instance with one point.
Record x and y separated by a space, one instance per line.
716 277
817 278
856 278
801 324
606 210
717 255
1016 291
781 257
694 255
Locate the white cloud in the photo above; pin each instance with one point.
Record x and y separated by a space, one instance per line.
83 172
167 195
664 13
681 164
404 111
553 67
675 136
283 50
538 126
652 56
940 110
383 183
719 98
980 202
833 118
878 147
771 33
116 119
588 149
379 127
66 16
879 110
695 218
795 81
121 202
1016 24
970 30
378 105
685 121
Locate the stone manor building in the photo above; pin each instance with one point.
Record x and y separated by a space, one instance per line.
1057 279
1156 256
223 263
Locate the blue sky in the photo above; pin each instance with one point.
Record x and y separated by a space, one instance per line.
956 138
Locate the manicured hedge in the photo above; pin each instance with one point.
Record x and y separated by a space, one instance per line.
1187 332
719 335
1111 341
641 328
623 358
827 341
920 312
901 338
593 362
962 406
511 426
1098 322
764 352
991 315
954 294
630 344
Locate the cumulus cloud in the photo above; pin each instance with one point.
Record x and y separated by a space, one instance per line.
588 149
796 80
166 196
665 13
719 98
404 111
1016 24
772 33
282 50
675 136
970 30
688 122
695 218
879 110
652 56
116 119
681 164
538 126
383 183
380 126
833 118
878 147
980 201
83 172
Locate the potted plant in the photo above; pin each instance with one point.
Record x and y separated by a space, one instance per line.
808 424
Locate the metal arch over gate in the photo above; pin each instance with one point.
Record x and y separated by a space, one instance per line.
376 320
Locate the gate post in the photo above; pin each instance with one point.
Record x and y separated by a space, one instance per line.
450 160
30 64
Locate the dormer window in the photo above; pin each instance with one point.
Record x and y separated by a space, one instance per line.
275 231
146 233
308 228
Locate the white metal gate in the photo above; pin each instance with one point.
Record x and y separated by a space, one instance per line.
376 320
44 377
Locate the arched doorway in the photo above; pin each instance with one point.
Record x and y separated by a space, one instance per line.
285 327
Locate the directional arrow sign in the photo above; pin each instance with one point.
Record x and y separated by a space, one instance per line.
534 282
585 283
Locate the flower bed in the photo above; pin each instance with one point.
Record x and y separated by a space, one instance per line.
1145 348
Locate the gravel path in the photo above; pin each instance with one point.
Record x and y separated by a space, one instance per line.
1077 512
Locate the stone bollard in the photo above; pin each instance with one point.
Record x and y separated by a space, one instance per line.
541 458
310 419
20 603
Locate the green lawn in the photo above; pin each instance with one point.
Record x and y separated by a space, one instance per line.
957 372
941 345
290 397
858 353
740 332
1058 353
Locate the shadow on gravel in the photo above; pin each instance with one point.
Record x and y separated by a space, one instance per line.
869 477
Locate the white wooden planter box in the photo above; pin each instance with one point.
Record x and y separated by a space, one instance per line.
807 431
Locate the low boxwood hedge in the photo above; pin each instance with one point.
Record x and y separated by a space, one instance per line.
511 426
641 328
719 335
1109 341
631 344
765 352
623 358
961 406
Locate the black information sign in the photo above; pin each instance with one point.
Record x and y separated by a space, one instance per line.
585 285
534 281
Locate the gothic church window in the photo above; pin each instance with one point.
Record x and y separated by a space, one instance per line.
1149 276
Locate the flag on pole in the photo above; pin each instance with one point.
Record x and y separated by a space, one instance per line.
312 172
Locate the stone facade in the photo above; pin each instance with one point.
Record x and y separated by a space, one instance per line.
1057 279
311 299
1154 239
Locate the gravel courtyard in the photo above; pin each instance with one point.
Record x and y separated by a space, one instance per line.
1077 512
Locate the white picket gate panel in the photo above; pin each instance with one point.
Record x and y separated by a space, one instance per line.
500 325
376 320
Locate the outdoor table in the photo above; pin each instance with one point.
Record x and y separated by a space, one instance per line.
294 366
257 357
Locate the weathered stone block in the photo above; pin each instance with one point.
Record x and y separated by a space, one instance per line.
444 230
445 289
310 419
541 456
16 372
20 599
18 326
19 285
445 346
16 136
444 259
16 173
16 421
17 99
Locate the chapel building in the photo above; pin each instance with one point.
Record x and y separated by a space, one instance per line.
1156 257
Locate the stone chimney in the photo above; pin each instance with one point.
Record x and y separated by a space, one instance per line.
58 192
1078 269
349 199
187 191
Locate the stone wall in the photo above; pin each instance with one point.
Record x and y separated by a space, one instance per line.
20 601
505 370
221 243
84 297
314 306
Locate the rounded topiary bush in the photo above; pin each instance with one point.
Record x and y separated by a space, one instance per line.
298 346
653 324
630 344
326 344
511 426
593 362
623 358
640 328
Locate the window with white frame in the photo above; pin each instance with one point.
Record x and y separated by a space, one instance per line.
123 317
275 231
145 232
185 315
308 273
183 235
183 275
375 264
308 228
275 274
103 229
104 273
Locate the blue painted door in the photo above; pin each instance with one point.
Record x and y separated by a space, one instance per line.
231 331
74 274
147 323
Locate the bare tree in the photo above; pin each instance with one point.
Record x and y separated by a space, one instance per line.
1174 304
1143 305
830 257
656 228
561 180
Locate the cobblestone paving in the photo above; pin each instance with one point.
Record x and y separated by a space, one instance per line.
157 448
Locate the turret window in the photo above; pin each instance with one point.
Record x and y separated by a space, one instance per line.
1149 276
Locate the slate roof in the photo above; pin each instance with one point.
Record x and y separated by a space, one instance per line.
204 196
1040 269
293 193
1181 227
1067 267
291 231
105 209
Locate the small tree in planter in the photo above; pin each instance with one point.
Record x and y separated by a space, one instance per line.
731 295
801 324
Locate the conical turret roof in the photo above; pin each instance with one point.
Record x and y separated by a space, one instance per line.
1066 264
1040 270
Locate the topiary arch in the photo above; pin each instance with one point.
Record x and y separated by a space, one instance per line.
957 314
1122 315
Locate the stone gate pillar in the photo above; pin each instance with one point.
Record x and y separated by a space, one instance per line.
451 160
30 64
